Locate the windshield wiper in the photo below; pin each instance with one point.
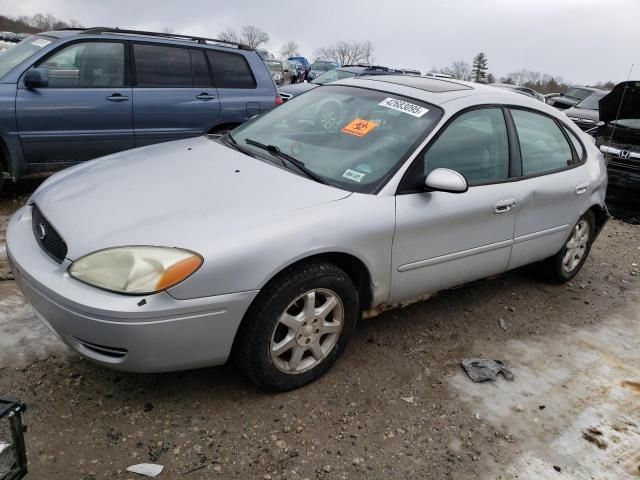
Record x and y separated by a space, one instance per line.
275 151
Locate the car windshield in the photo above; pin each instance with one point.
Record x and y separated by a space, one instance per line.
578 93
591 102
21 52
332 76
349 137
323 66
274 66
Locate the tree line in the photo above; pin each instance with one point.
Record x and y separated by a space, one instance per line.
35 23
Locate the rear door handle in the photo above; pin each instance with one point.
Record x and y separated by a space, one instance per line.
504 205
116 97
581 188
205 96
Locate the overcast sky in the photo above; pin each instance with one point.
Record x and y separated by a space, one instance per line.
583 41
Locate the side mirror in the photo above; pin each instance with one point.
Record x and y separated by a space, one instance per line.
36 78
446 180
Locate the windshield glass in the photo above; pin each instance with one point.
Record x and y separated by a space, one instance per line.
332 76
349 137
579 93
274 66
21 52
628 122
323 66
591 102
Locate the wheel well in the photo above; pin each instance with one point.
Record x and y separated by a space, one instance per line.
5 161
352 266
223 126
601 215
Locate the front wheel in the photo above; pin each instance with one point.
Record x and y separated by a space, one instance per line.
563 266
297 327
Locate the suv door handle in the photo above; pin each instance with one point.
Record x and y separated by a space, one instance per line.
581 188
205 96
117 97
504 205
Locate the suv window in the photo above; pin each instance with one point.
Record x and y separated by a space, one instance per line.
162 66
230 70
543 146
86 65
475 144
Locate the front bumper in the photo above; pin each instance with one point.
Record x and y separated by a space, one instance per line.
153 333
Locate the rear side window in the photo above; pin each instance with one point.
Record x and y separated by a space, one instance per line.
576 143
475 144
230 70
543 146
86 65
171 67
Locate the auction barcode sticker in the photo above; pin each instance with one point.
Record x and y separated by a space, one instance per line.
402 106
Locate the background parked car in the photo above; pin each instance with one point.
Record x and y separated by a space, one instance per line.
585 113
530 92
72 95
282 71
619 140
410 72
300 73
333 75
571 97
437 75
319 67
306 64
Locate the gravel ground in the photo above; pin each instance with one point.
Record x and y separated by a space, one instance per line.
396 405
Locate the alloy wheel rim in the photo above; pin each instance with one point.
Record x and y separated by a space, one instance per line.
576 246
307 331
328 119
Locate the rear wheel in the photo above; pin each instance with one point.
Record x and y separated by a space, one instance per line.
297 327
569 260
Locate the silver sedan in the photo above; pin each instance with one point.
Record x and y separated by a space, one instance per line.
269 243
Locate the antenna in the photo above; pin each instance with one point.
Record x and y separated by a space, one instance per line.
626 86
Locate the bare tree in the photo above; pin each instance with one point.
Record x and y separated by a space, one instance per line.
229 35
249 35
253 36
348 53
289 49
75 24
460 70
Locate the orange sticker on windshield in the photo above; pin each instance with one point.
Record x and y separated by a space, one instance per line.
359 127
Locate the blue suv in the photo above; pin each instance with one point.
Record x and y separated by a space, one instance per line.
72 95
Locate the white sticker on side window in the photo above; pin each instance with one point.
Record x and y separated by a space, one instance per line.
353 175
41 42
402 106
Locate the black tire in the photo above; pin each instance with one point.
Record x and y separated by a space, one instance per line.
553 267
252 347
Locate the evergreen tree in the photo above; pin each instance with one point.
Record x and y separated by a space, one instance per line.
479 70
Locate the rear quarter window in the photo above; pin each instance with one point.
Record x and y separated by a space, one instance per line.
231 70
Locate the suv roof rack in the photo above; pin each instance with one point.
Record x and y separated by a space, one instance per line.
176 36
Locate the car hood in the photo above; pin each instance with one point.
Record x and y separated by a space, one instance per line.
189 194
298 88
622 102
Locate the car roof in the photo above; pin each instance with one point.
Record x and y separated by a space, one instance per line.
439 91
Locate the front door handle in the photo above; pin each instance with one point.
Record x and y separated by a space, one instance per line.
581 188
117 97
205 96
504 205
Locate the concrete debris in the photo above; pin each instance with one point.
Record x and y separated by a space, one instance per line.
481 369
503 324
146 469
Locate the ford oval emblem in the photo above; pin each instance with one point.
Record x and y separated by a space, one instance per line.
42 232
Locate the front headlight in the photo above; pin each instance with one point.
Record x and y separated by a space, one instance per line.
136 270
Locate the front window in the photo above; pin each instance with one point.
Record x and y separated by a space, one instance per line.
332 76
348 137
323 66
21 52
591 102
578 93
